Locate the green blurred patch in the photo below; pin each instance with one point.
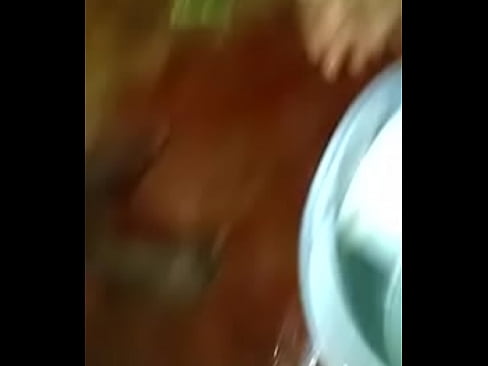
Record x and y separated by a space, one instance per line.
201 13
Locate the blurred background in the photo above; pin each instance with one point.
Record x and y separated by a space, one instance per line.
202 136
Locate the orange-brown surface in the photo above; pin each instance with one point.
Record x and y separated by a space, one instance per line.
248 122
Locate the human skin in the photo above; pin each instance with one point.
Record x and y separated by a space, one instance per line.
341 34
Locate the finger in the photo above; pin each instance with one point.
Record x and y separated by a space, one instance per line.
337 53
310 12
370 44
332 19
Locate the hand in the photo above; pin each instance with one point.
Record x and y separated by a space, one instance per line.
359 29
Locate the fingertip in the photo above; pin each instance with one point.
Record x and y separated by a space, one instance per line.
330 68
337 54
314 52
